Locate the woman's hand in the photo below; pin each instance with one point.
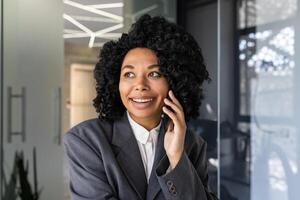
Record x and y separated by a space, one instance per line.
176 129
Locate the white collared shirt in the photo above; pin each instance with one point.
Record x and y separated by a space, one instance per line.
147 141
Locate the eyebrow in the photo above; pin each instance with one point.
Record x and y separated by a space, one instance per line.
132 67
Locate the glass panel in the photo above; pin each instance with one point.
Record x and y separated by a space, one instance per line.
32 80
260 146
258 12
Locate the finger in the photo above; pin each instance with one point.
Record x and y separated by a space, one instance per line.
174 99
175 108
170 126
172 115
172 105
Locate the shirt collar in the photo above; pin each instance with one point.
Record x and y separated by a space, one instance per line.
140 133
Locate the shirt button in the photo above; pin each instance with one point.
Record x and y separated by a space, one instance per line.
150 138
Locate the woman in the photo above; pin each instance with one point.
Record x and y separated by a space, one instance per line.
149 83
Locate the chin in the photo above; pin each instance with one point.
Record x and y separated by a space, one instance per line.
143 114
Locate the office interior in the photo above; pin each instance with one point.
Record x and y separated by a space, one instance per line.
249 116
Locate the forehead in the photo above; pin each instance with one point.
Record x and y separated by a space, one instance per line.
140 56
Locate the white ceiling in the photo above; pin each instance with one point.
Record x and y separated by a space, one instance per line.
92 22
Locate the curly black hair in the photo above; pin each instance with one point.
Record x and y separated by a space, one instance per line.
179 57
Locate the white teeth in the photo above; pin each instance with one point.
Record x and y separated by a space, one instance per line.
142 100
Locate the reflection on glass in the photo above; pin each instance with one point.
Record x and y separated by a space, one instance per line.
266 127
257 12
269 55
32 157
271 82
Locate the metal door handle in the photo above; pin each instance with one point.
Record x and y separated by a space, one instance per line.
10 98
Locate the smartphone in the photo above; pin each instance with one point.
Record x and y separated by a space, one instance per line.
166 117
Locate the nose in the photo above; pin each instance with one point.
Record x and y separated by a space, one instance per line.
141 84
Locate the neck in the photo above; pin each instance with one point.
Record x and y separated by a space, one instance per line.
147 123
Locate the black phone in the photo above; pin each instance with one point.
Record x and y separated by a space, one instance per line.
166 117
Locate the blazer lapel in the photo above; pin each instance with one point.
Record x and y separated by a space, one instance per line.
129 157
154 187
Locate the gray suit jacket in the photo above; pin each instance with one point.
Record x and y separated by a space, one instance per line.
105 163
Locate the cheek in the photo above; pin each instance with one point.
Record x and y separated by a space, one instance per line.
162 89
123 89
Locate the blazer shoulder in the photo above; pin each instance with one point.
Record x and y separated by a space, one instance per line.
193 139
195 145
91 130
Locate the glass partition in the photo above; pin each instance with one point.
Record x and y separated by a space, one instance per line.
32 154
260 146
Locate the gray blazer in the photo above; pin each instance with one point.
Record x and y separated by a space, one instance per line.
105 163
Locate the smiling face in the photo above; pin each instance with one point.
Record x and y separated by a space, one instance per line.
142 87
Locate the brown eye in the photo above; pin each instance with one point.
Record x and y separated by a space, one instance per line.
128 75
155 74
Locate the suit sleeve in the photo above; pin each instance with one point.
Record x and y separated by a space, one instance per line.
87 176
189 179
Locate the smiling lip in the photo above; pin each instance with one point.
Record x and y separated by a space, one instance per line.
141 105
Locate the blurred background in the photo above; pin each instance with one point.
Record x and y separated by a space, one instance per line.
250 116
